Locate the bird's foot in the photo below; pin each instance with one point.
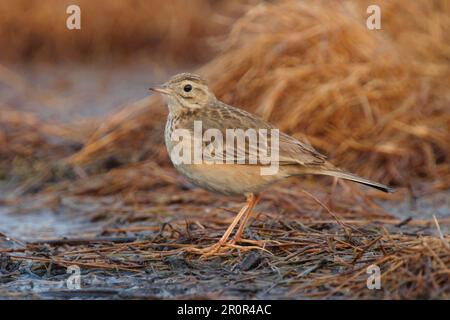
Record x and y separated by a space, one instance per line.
212 250
254 244
221 249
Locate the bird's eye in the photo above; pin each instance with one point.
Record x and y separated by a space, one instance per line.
187 88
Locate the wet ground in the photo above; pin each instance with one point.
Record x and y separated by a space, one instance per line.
171 277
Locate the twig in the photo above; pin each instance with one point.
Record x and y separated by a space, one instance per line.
444 241
75 241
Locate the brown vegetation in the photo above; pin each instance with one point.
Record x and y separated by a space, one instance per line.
175 30
376 102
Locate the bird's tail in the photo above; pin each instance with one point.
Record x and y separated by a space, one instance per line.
349 176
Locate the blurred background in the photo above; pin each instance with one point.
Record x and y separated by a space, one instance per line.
375 101
76 117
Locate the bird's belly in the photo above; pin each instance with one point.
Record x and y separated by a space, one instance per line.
229 179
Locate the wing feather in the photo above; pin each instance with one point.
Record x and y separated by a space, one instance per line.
291 150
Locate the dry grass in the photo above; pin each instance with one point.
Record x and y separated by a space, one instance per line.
368 99
171 29
307 252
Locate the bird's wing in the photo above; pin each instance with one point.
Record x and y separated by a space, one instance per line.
293 151
290 150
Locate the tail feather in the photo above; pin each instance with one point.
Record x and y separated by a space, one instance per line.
355 178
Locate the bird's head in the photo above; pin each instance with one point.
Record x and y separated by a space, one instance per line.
186 91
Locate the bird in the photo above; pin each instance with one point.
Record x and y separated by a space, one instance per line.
193 105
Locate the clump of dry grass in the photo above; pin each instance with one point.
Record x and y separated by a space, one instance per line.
374 105
31 148
376 102
174 30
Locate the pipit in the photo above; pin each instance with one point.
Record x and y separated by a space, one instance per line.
190 100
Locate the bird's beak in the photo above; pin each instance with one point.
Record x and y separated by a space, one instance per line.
160 90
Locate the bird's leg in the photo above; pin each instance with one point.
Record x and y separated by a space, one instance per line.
233 224
208 251
252 200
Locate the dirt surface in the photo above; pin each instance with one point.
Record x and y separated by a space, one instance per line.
254 274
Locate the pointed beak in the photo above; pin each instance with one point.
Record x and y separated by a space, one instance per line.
162 90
